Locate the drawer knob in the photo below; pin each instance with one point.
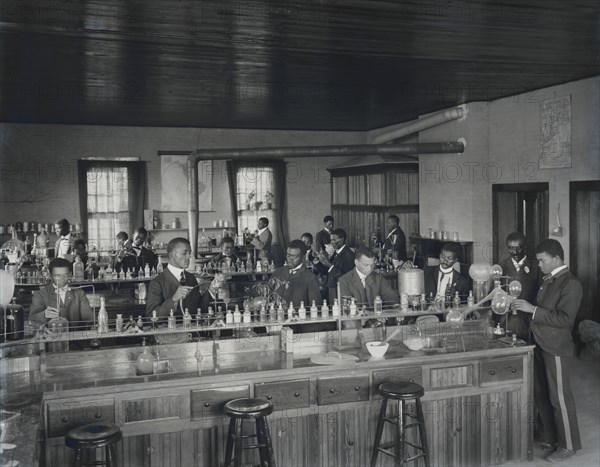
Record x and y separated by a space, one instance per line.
98 415
269 397
411 380
514 370
459 429
332 391
356 388
64 419
350 443
296 394
492 372
206 404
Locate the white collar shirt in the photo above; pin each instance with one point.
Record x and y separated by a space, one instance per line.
362 277
444 278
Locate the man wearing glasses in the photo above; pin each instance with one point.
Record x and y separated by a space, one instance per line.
444 281
57 299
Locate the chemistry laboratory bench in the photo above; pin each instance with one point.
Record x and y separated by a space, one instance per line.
477 403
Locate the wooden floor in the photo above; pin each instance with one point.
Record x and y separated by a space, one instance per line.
585 384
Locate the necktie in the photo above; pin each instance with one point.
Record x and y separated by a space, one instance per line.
182 278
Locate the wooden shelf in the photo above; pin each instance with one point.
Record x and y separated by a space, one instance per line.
185 228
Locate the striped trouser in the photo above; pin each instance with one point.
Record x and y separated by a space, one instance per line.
557 417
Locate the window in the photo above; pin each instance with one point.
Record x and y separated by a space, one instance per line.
255 196
111 196
107 205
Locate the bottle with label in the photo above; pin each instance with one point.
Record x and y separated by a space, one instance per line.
291 312
237 315
335 309
78 269
171 322
263 313
314 311
159 267
147 270
301 311
378 305
247 317
470 300
210 312
154 319
187 319
272 315
423 302
456 300
119 323
353 309
258 266
229 317
324 310
102 318
280 313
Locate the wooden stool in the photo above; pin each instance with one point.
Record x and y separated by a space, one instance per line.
400 392
238 410
85 439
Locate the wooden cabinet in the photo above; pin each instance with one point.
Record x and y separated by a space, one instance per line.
65 415
209 402
340 389
285 395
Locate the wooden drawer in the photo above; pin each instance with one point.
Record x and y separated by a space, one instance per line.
284 395
210 402
64 416
340 390
412 374
501 369
450 376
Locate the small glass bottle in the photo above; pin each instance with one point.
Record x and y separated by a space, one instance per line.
247 317
353 309
119 324
280 313
302 311
291 311
229 317
335 309
154 319
171 322
140 323
145 360
102 317
470 300
325 310
314 311
378 305
263 313
187 319
456 300
237 315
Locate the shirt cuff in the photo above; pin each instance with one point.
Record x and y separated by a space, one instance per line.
533 315
330 268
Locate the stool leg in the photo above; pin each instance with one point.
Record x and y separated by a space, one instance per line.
230 439
111 456
78 459
399 445
261 441
378 432
269 449
237 443
422 431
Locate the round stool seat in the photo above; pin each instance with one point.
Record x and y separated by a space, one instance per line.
248 408
401 390
95 435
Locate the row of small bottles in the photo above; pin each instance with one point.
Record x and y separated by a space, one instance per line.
240 266
109 273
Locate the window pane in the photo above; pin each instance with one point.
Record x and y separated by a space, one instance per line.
255 195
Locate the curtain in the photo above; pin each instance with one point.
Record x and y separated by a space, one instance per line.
280 233
232 179
111 199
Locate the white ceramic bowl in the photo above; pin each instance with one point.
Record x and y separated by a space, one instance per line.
377 350
414 343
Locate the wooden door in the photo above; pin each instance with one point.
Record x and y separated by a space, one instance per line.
519 207
584 244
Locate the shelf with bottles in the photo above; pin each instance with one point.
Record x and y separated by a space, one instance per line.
185 229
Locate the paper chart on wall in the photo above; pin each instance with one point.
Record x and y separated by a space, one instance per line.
174 183
555 120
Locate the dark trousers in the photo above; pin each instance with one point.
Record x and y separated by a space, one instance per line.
557 417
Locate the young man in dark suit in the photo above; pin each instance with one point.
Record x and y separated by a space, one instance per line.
141 255
395 242
262 240
175 288
524 269
552 321
227 255
362 285
323 236
296 283
341 262
444 280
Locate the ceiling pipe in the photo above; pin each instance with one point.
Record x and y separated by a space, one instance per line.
422 124
286 152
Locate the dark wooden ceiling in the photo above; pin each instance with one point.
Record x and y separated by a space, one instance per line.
311 64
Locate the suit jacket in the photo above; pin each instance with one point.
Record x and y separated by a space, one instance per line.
76 306
263 244
342 264
134 262
375 284
558 302
160 296
398 245
69 251
458 283
303 285
322 238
